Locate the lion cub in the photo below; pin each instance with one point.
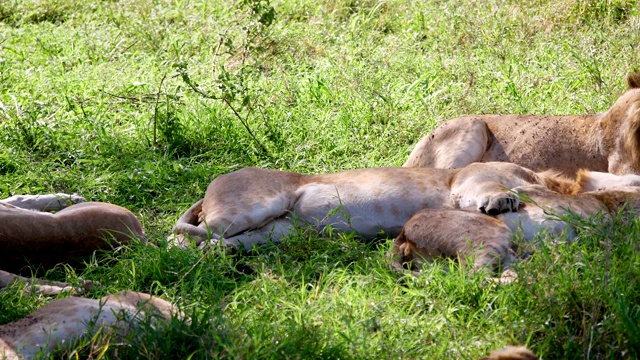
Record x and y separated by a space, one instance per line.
488 240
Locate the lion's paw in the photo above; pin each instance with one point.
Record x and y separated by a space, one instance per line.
229 246
185 240
76 199
180 241
68 199
498 203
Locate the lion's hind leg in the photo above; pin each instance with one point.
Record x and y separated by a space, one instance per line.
452 145
454 234
273 232
189 227
185 234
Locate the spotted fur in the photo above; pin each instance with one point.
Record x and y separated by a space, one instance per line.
607 142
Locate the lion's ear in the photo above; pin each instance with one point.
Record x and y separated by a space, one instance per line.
633 80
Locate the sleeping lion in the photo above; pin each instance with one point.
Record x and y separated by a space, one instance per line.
488 241
607 142
254 206
31 235
63 321
432 212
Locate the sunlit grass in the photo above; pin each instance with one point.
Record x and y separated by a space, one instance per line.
91 101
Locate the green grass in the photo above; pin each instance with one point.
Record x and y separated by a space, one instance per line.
95 98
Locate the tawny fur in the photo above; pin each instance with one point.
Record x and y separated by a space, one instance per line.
252 206
511 353
30 235
45 239
558 182
61 322
594 181
463 234
607 142
451 233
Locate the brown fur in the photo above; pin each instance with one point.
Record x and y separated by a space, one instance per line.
511 353
461 234
45 239
62 321
609 141
614 201
633 80
253 206
558 182
472 235
581 178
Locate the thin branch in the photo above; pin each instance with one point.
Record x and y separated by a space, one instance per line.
225 99
144 98
246 126
155 112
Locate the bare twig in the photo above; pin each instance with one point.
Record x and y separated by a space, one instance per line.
235 112
155 112
143 98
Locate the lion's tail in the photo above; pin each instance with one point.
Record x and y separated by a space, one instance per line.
188 223
191 216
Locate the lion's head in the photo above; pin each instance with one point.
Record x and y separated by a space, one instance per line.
620 129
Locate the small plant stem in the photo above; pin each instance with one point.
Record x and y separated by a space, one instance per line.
155 112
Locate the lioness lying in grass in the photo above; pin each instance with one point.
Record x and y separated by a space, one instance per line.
599 142
488 240
253 206
31 235
63 321
424 207
29 232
